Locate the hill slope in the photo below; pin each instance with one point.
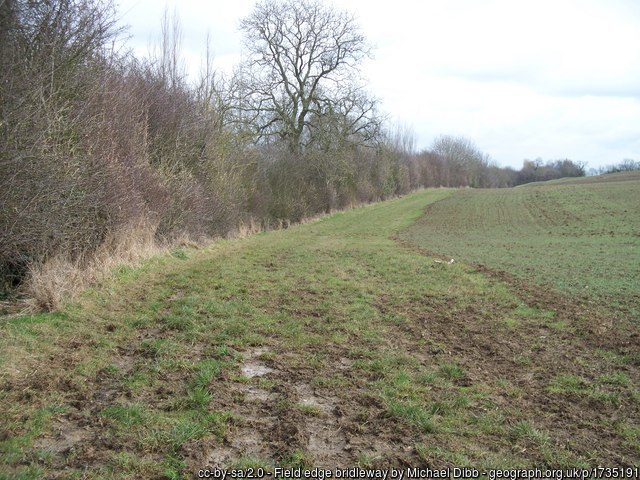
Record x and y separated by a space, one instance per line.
580 236
327 344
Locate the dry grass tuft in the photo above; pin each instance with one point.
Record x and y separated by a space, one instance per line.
130 244
59 279
185 241
52 281
244 230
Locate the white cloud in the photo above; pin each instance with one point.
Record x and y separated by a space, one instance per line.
522 79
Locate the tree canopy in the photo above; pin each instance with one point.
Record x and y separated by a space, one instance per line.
300 80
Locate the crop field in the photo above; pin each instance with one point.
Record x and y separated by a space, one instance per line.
579 236
344 342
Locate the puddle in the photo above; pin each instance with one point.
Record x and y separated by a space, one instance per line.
251 370
253 367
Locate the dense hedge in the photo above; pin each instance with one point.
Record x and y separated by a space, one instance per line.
94 142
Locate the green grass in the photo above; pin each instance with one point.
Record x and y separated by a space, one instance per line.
436 362
581 236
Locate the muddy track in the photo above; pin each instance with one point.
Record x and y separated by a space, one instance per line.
284 412
280 411
291 415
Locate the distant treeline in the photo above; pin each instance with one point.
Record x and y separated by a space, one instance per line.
627 165
98 146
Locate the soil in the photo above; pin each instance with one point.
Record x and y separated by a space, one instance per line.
280 410
329 428
347 426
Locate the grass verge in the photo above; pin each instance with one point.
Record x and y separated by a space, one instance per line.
325 344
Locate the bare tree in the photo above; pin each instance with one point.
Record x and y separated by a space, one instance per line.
465 162
167 56
303 67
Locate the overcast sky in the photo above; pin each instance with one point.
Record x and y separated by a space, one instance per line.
521 79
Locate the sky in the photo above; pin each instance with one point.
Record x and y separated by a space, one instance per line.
522 79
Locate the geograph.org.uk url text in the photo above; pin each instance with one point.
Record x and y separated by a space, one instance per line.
422 473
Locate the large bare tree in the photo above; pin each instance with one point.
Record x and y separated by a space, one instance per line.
300 80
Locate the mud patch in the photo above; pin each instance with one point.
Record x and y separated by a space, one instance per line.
249 436
67 436
124 362
253 366
245 440
307 397
251 370
285 416
327 442
256 394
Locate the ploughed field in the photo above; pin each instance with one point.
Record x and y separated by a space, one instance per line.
350 341
578 236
